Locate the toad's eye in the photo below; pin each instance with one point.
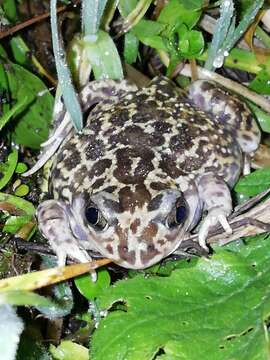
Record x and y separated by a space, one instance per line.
91 215
178 215
95 218
181 213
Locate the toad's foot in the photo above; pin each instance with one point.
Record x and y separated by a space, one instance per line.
214 217
53 221
216 198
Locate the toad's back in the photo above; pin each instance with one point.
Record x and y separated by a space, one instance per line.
154 137
144 169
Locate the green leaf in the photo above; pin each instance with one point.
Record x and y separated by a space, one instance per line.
20 51
16 109
22 190
191 43
4 90
214 308
90 289
254 183
68 350
7 169
155 41
147 28
21 168
261 82
148 33
193 4
103 56
9 7
262 117
176 12
14 223
27 207
32 125
131 48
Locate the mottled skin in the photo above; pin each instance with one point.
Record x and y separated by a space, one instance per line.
141 156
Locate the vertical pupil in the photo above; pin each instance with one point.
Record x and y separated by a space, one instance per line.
91 215
180 214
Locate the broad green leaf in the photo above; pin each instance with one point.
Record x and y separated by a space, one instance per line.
16 109
4 90
254 183
27 207
7 169
68 350
32 125
90 289
14 223
175 12
103 56
214 308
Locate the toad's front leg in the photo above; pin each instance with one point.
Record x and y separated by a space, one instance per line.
55 221
216 198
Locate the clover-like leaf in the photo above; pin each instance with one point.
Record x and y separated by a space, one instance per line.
175 11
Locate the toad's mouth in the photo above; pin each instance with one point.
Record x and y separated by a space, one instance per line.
139 255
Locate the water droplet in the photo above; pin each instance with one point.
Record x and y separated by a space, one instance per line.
218 62
91 38
227 3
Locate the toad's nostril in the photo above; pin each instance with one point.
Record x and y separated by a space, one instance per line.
124 249
151 248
